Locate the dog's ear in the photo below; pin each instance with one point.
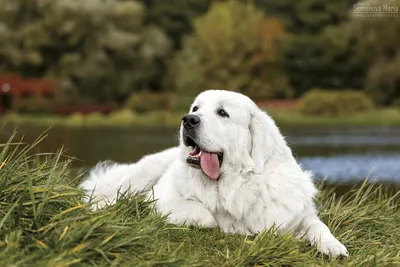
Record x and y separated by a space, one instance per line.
264 137
257 132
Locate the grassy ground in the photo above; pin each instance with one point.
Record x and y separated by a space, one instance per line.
377 117
125 118
43 222
121 118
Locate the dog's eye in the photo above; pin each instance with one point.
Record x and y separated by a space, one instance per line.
195 108
222 113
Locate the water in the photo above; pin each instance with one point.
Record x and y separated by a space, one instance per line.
335 154
341 154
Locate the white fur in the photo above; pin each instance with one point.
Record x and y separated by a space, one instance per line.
261 185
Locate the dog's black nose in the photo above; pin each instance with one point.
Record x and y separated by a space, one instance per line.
191 121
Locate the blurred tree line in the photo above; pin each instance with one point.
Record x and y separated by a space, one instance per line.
233 46
98 49
104 50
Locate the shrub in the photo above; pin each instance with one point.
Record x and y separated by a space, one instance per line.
123 117
382 82
396 102
75 120
180 103
334 103
35 105
95 119
152 118
145 101
84 109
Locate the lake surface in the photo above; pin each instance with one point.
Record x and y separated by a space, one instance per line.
335 154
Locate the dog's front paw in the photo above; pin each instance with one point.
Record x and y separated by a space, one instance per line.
201 219
332 247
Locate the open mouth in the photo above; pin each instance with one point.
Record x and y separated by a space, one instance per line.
209 162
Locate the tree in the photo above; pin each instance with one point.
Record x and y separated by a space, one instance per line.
175 17
334 59
97 49
321 51
381 36
307 16
233 46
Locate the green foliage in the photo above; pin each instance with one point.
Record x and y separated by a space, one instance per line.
155 118
396 103
122 117
284 118
307 16
44 222
175 17
180 103
118 118
386 117
144 101
97 48
74 120
186 74
323 52
94 119
331 103
233 46
333 59
35 105
381 37
332 50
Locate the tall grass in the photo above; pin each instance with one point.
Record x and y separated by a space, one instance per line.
43 222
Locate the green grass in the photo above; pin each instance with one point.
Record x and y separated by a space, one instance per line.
376 117
120 118
126 118
43 222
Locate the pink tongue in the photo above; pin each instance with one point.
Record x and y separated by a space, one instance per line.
210 164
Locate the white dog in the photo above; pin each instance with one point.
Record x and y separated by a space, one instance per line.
232 170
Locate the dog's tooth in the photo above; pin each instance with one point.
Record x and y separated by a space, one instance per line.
200 153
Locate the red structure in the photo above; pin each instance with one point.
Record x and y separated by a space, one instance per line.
13 88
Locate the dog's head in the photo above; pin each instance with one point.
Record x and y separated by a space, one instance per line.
226 130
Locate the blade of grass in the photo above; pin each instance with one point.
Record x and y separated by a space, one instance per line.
9 212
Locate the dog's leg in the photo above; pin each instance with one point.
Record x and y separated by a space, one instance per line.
186 212
173 198
318 234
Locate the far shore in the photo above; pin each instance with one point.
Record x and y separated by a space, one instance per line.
127 118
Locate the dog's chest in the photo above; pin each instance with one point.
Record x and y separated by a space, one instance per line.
220 197
243 206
